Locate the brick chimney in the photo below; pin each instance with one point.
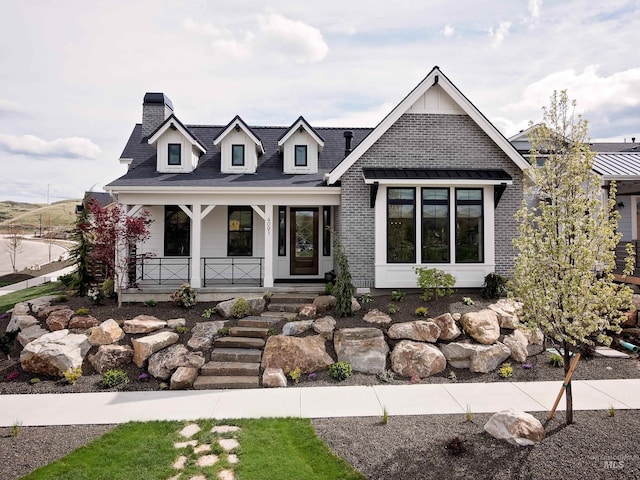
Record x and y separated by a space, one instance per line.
156 108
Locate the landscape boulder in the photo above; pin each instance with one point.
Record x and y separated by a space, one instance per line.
83 322
297 327
44 313
143 324
106 333
517 342
418 330
417 359
59 319
364 348
307 353
274 378
507 311
449 329
307 311
30 334
516 427
377 317
486 358
203 333
482 326
458 354
144 347
21 322
36 305
256 306
110 356
22 308
183 378
325 303
535 340
54 353
355 306
325 327
176 322
164 362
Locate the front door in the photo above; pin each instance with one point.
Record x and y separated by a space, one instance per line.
304 241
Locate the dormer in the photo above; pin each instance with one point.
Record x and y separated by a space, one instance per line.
300 147
178 150
239 148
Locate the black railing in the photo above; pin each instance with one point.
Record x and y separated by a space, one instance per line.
164 270
232 270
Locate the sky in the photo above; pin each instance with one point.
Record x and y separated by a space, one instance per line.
73 73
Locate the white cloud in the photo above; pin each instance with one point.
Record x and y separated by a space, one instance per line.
223 41
32 146
9 107
591 91
534 8
292 38
363 118
448 30
498 34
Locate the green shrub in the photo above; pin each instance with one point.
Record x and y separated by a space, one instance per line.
392 309
185 296
82 311
34 380
556 360
114 377
467 301
366 298
67 279
150 303
328 288
182 329
209 311
60 299
422 311
343 290
340 370
386 376
223 331
505 371
397 295
241 308
295 374
494 286
72 375
435 282
108 288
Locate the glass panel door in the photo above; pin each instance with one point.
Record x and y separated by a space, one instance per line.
304 241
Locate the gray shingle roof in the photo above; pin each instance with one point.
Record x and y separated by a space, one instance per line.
142 171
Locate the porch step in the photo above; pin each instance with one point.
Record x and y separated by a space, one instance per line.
252 355
255 332
284 307
229 369
220 382
259 322
278 315
292 298
239 342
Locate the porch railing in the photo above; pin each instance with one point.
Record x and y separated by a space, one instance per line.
232 270
163 270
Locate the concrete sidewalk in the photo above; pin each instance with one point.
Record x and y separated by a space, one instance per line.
32 282
312 402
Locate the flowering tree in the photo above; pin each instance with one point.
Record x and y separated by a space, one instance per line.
563 271
114 233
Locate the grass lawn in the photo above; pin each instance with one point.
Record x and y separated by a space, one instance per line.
284 448
8 301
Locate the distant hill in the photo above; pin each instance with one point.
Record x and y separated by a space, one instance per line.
60 214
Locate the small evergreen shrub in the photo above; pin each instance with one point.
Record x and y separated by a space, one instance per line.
366 298
340 370
208 312
494 286
397 295
452 376
328 288
72 375
556 360
386 376
182 329
185 296
82 311
108 288
343 290
505 371
241 308
467 301
392 309
435 282
295 374
60 299
150 303
422 311
114 377
67 279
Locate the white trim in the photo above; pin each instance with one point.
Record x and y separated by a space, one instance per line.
435 181
406 104
126 161
186 210
301 122
226 190
206 211
258 211
238 122
134 209
173 122
634 217
196 245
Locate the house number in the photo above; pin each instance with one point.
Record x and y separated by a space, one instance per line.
269 225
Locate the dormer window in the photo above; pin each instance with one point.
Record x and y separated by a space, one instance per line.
175 154
301 156
237 155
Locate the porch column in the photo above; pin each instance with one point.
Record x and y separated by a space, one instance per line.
121 252
268 246
196 236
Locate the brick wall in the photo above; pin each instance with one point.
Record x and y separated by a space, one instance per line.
424 141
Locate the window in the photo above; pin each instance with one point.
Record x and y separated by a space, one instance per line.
237 155
469 222
282 231
435 225
401 225
175 154
326 231
177 232
301 156
240 242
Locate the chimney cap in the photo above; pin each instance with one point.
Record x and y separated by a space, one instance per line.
157 98
348 134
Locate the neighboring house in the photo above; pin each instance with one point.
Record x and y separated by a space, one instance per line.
104 199
434 184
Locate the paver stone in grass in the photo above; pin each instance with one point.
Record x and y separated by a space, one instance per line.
207 460
190 443
232 458
180 462
224 429
226 475
190 430
202 448
228 444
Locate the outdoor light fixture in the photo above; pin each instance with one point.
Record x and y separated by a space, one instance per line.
620 205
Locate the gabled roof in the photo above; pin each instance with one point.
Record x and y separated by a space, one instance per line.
435 77
237 122
173 122
301 123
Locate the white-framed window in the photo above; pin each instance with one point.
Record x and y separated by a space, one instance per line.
300 156
174 154
237 155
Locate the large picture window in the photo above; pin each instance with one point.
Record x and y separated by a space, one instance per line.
240 228
469 223
435 225
401 225
175 154
237 155
177 232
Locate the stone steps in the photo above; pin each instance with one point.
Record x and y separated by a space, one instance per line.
275 315
253 332
230 369
223 354
280 298
239 342
284 307
259 322
206 382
